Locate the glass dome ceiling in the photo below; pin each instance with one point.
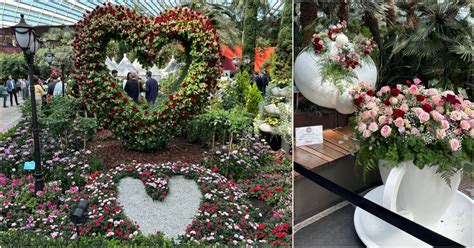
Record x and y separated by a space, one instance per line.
68 12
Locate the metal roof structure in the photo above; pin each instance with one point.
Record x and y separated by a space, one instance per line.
68 12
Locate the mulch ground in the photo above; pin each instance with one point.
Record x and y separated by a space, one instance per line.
112 152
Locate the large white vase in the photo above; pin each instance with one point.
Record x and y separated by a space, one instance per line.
307 75
418 194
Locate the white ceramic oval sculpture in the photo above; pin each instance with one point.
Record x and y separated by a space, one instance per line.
307 75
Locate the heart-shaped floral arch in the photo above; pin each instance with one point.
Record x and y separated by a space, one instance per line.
145 130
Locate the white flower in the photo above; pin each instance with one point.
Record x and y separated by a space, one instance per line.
341 40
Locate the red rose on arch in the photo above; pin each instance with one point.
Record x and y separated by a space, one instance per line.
420 98
427 107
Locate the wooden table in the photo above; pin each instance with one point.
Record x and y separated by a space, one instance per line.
333 148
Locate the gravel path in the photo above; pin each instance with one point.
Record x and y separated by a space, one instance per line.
170 216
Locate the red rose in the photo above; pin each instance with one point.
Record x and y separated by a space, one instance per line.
173 104
281 235
395 92
408 82
170 97
366 52
184 84
125 100
398 113
119 94
387 101
359 100
215 169
370 93
426 107
261 226
420 98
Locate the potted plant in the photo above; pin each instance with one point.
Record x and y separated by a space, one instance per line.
334 62
420 138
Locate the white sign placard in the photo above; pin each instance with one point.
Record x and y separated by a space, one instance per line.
308 135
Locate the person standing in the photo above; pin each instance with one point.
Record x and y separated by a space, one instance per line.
51 86
151 90
26 88
132 87
4 94
58 88
11 90
39 93
266 79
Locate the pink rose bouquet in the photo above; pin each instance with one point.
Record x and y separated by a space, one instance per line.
411 122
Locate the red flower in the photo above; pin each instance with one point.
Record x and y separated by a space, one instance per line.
387 101
408 82
257 187
395 92
184 84
370 93
174 104
359 100
119 94
170 97
426 107
451 99
278 188
281 235
215 169
398 113
261 226
366 52
420 98
125 100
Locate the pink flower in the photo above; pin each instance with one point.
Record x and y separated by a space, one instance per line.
399 122
440 133
423 116
362 127
404 107
440 109
445 124
415 131
372 114
454 144
416 81
437 116
366 133
54 234
373 127
384 89
386 131
464 125
413 90
383 120
455 115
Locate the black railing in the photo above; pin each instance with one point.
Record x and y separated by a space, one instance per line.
416 230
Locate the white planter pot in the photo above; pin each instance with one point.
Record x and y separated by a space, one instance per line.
272 109
307 75
266 128
418 194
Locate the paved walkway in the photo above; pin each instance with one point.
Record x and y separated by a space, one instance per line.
10 116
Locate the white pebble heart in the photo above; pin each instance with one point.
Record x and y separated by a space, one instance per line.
171 216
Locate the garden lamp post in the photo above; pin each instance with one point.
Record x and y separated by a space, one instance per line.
78 215
27 40
49 57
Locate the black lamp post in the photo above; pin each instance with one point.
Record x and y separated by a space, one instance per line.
26 38
49 57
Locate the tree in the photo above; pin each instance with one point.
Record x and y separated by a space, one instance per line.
343 10
13 64
309 13
391 12
411 16
284 47
249 38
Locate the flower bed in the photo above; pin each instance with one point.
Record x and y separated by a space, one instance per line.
224 215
